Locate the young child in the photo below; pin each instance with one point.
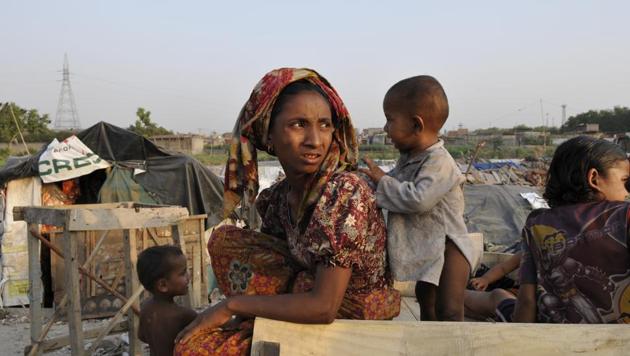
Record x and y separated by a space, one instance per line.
427 239
162 271
496 303
576 253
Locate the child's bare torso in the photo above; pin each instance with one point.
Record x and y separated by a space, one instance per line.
160 322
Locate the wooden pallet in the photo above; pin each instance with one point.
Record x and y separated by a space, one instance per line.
76 221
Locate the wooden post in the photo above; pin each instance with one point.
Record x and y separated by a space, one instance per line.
204 261
73 289
178 235
194 288
132 285
35 284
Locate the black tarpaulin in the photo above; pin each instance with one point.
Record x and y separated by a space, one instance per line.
170 178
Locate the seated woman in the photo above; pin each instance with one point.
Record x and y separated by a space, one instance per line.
321 251
575 266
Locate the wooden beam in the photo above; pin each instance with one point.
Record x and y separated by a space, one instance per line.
132 285
40 215
61 341
35 290
84 271
36 345
124 218
73 291
115 320
360 337
267 349
110 216
177 234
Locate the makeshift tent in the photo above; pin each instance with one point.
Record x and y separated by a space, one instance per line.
497 211
168 178
140 171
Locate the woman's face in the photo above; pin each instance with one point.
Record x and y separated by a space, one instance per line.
302 133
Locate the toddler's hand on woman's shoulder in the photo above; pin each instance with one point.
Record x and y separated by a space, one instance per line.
373 171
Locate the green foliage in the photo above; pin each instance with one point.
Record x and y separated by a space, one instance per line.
34 126
379 151
521 127
4 154
615 120
491 131
145 127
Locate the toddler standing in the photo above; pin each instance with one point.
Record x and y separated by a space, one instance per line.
427 237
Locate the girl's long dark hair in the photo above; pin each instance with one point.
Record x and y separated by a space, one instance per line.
567 181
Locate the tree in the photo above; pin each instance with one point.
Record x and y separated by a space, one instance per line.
615 120
145 127
34 127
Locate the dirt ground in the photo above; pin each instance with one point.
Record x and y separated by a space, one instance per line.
15 334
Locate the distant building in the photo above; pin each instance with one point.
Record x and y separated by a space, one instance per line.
187 143
227 137
460 132
380 139
509 140
587 128
374 136
369 132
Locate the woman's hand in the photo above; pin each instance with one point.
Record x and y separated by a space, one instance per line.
479 283
211 318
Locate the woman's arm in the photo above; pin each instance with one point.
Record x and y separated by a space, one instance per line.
525 310
319 306
497 272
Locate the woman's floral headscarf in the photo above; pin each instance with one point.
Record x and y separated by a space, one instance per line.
252 131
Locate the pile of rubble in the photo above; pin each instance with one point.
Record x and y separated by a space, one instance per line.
513 172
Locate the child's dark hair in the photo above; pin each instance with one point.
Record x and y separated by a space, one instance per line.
295 88
423 95
567 181
155 263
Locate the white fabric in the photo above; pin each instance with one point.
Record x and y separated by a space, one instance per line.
68 159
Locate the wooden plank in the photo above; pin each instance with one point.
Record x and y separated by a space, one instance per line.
132 284
177 232
115 320
204 261
35 290
40 215
195 286
61 341
359 337
73 290
116 214
267 349
35 347
124 218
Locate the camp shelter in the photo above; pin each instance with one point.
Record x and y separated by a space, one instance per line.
141 171
499 212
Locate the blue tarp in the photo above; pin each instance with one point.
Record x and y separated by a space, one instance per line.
482 166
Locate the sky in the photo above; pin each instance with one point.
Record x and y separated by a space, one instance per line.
194 63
